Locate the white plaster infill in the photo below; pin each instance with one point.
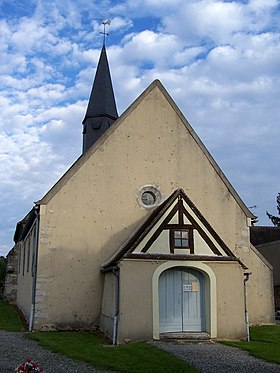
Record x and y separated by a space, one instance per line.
213 293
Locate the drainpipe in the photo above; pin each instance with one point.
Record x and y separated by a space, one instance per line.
116 273
246 278
34 270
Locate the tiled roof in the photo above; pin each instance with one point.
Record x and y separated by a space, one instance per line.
264 234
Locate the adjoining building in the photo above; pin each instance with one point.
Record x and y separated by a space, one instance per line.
267 241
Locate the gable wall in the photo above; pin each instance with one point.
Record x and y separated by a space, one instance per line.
271 251
260 295
88 219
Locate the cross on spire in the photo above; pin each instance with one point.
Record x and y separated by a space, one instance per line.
104 33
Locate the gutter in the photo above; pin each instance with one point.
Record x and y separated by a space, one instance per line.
34 270
246 278
116 272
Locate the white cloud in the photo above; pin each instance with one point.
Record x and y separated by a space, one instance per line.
28 34
218 21
148 46
141 8
118 23
262 5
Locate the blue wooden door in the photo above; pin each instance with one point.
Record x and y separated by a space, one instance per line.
181 301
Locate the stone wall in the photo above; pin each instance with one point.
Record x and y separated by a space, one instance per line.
277 296
1 289
10 288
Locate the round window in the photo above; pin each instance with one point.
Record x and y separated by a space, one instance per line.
148 198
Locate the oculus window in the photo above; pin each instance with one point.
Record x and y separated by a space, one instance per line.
149 196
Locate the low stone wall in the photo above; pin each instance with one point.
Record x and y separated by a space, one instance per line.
1 289
10 287
277 296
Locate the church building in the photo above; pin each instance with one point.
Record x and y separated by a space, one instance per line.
143 237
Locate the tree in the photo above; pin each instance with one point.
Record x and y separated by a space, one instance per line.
275 219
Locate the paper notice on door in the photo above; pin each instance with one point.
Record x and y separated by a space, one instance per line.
195 286
187 287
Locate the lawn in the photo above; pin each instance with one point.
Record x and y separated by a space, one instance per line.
133 357
93 349
9 318
265 343
129 358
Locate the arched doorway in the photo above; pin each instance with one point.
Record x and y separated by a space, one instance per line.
182 300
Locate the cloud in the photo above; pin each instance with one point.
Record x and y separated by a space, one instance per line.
117 24
148 46
218 21
143 8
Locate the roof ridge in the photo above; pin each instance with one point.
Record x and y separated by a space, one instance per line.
264 226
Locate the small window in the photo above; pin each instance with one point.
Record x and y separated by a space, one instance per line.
23 257
19 258
28 253
181 239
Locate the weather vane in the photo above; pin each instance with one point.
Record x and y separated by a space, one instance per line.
104 33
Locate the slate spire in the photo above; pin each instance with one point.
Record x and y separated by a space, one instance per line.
101 111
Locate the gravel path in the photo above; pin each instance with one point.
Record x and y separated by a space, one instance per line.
14 349
207 357
210 357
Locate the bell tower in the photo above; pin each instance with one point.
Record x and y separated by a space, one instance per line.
101 111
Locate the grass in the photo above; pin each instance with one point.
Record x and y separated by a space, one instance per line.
91 348
265 343
128 358
133 357
9 318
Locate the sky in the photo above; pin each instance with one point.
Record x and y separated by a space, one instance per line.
219 61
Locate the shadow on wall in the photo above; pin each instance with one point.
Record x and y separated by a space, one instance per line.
70 283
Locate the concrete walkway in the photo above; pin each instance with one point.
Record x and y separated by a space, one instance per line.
209 357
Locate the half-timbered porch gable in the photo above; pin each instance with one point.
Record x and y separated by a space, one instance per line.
175 230
181 230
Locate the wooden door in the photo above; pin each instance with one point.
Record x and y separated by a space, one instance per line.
181 301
